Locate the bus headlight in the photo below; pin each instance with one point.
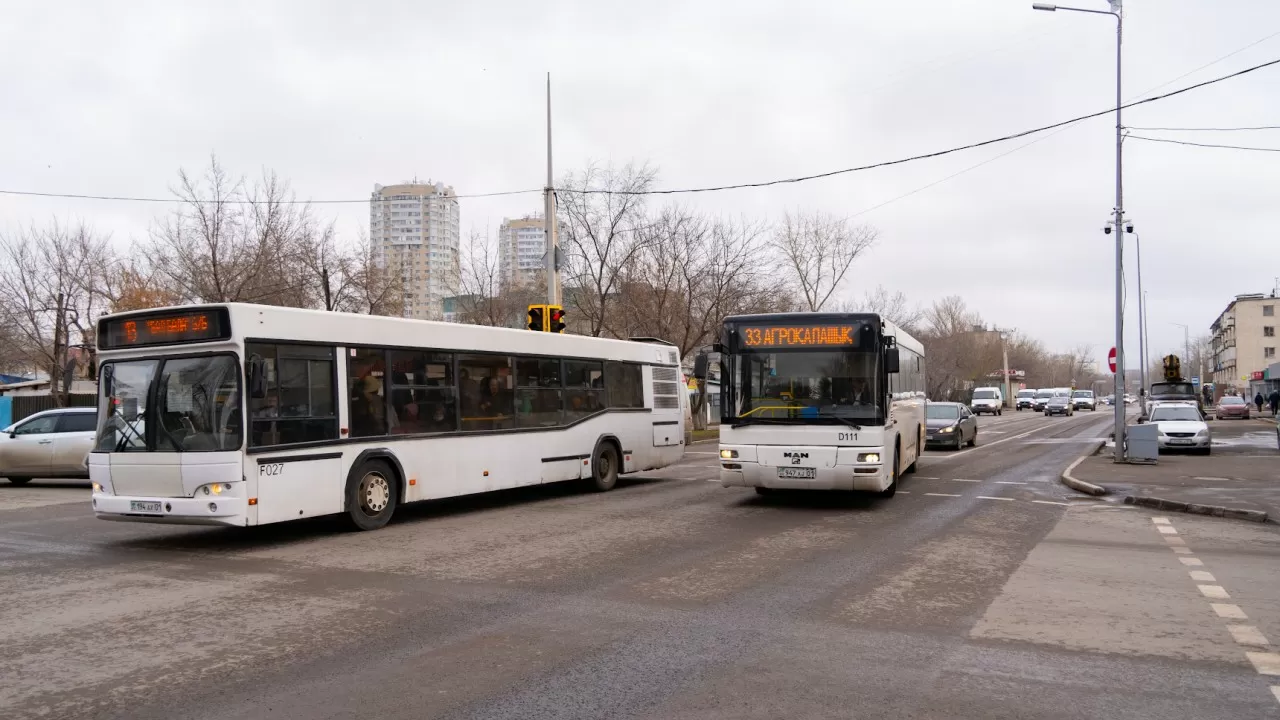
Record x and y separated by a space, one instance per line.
728 454
869 457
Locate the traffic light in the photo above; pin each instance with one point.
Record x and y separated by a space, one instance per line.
538 318
555 319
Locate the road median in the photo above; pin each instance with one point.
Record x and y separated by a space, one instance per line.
1076 483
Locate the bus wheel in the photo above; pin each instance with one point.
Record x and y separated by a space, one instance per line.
893 480
371 495
604 468
19 480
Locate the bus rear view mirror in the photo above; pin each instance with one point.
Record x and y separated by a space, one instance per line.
891 360
700 366
257 377
105 380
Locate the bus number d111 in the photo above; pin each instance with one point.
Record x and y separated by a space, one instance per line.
851 437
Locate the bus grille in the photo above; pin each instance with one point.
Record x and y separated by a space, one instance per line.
665 373
665 402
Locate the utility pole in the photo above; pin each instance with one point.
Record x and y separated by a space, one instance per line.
1004 351
1142 328
549 219
1120 454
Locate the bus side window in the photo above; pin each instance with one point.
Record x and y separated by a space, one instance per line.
366 370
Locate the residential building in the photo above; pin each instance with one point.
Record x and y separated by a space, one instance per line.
1245 341
414 231
522 245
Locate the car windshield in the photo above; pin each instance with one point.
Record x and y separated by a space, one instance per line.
1082 394
1058 400
984 394
1043 394
942 412
1175 388
1174 413
806 386
1026 393
176 405
1229 400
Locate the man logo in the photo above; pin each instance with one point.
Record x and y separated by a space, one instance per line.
795 456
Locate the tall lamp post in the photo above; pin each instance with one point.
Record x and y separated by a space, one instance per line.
1119 220
1142 327
1186 342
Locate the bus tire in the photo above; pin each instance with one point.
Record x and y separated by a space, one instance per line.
893 480
372 494
761 490
19 480
604 467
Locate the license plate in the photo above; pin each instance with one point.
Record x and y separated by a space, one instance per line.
798 472
1180 441
146 506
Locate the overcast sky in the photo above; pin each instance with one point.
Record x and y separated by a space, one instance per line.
100 98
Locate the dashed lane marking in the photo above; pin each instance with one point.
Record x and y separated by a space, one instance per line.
1175 541
941 495
1166 529
1160 520
1248 635
1229 611
1275 690
990 497
1195 562
1051 502
1179 550
1266 663
963 480
1010 482
1216 592
1202 576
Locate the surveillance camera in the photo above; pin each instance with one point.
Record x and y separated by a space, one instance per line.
1128 228
1107 230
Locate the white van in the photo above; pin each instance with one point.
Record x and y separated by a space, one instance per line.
987 400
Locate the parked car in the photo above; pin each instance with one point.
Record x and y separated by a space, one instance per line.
53 443
1231 407
987 400
1180 427
1024 399
1059 405
1041 399
1083 400
950 424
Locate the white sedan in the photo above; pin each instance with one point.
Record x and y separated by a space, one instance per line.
1180 427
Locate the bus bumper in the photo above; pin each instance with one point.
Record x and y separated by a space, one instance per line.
212 510
871 478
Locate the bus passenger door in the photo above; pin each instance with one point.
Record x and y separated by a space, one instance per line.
299 487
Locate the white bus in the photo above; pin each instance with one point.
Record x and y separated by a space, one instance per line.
831 401
241 415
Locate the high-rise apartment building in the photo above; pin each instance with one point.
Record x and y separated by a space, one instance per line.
522 244
1245 340
414 231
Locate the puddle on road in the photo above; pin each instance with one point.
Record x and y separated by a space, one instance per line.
1265 439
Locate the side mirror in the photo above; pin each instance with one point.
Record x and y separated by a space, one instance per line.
257 377
13 434
891 361
700 366
1141 420
106 377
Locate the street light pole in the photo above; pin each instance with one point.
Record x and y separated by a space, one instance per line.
1120 384
1142 327
1186 341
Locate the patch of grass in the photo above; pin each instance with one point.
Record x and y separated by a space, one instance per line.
708 434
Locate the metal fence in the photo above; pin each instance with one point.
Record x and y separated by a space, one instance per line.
25 406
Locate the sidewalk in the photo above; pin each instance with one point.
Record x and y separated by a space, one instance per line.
1243 471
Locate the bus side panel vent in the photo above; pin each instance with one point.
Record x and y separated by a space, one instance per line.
667 374
665 402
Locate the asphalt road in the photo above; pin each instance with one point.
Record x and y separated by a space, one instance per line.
980 591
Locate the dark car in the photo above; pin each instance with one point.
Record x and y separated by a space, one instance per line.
950 425
1231 407
1059 405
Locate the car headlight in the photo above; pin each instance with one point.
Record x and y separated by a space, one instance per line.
948 429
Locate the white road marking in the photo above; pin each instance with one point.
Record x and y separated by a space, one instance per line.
1050 502
942 495
1010 482
1215 592
1275 690
1190 561
1167 529
1180 550
1265 663
1202 576
1003 440
1160 520
922 477
1175 541
1229 611
963 480
1247 635
989 497
904 492
1212 479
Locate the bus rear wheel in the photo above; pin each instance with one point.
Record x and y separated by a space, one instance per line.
604 468
371 495
19 480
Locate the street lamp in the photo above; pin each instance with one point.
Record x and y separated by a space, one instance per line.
1119 219
1142 326
1186 341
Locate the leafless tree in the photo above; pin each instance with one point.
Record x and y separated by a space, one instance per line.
483 295
896 307
600 213
374 282
817 250
47 302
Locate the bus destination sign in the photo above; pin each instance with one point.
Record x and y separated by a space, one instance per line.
796 336
164 329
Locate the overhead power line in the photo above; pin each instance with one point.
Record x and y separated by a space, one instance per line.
926 156
1203 145
717 188
1204 129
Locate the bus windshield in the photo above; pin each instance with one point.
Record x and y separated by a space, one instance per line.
805 387
189 404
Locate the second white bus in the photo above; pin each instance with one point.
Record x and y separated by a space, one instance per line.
242 415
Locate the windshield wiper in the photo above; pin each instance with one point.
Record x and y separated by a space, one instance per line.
842 419
742 422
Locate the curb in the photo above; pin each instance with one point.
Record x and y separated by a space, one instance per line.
1077 484
1196 509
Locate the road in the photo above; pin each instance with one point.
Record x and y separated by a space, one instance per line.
980 591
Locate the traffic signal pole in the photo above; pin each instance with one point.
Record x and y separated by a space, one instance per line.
549 217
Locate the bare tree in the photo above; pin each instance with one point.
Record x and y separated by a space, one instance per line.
47 302
896 307
483 295
600 212
375 283
817 250
229 242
